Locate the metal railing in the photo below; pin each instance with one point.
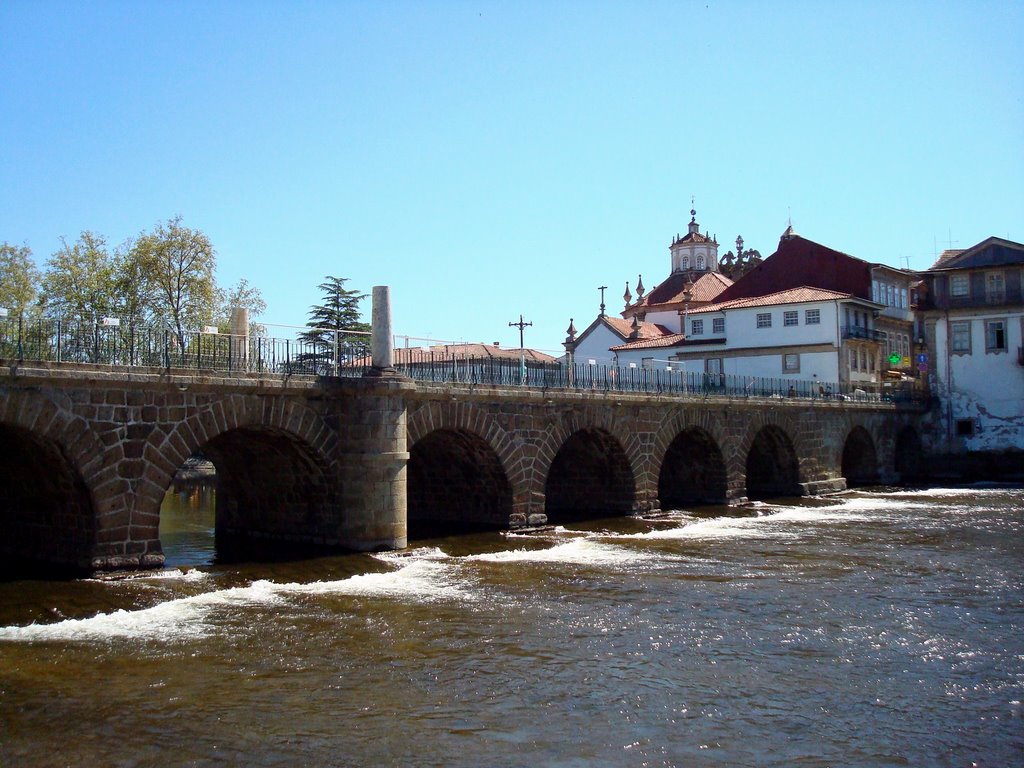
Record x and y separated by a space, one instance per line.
56 340
496 372
59 340
860 332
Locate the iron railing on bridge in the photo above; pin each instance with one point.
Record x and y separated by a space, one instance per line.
46 339
56 340
500 372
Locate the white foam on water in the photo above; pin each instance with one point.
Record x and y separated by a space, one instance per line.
580 551
420 580
181 618
939 493
783 523
717 528
426 579
555 532
174 574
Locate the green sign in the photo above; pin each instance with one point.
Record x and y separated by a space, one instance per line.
894 359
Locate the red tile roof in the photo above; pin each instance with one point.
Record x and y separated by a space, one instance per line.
624 328
670 291
801 262
991 252
405 355
792 296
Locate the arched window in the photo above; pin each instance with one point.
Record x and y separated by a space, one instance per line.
700 262
685 262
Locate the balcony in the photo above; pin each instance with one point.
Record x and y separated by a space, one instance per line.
859 332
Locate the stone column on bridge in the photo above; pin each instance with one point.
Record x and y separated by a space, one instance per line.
240 337
381 348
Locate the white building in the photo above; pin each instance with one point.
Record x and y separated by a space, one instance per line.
971 307
793 334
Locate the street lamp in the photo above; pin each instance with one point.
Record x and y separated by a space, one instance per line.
522 352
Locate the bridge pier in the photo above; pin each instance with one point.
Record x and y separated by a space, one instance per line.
373 461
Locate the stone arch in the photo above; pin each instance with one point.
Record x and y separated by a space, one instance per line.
859 461
772 466
908 456
455 482
590 476
275 478
692 471
54 481
685 475
466 417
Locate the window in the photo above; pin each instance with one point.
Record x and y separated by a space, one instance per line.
718 325
697 327
812 317
875 291
647 363
853 359
791 363
903 298
959 287
791 317
960 337
995 288
700 262
764 319
713 368
995 336
685 263
964 427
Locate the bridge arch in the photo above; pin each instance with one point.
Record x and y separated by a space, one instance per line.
859 461
456 481
273 475
772 466
57 494
908 460
589 477
693 470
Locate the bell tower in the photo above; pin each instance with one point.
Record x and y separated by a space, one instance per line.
694 252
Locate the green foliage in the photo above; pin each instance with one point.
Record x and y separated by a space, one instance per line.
241 296
79 279
164 277
180 263
338 312
19 279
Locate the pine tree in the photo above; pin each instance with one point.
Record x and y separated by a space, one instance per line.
328 323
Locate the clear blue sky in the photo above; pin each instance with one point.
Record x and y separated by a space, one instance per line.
490 159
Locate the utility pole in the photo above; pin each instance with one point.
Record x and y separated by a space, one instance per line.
522 352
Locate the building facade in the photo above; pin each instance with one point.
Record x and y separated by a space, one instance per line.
970 307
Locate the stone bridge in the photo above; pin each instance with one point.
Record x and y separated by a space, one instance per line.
89 452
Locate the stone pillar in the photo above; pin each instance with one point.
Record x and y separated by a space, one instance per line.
240 337
381 346
373 459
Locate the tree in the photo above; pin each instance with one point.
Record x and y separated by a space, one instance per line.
242 296
339 312
134 289
19 278
180 262
79 279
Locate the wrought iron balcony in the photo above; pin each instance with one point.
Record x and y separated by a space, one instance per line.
859 332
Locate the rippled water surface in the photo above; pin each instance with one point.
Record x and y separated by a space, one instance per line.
870 629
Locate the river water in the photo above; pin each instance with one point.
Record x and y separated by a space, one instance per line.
875 628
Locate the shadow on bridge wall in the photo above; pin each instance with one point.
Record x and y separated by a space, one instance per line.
46 511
